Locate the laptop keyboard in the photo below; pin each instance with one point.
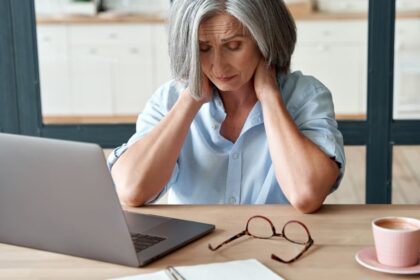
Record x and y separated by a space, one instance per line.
143 241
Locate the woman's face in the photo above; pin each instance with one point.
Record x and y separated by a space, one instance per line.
228 54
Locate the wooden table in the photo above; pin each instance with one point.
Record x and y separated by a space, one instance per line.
339 231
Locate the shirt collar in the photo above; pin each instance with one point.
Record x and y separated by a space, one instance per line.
218 113
217 110
255 117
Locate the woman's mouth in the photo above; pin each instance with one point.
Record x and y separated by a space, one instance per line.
225 78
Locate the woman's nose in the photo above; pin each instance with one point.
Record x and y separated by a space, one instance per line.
218 62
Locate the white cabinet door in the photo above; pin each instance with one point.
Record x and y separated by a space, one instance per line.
56 96
340 68
54 70
112 68
133 79
162 70
101 69
133 70
407 82
407 69
335 52
91 75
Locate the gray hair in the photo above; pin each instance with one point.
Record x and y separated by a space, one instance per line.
268 21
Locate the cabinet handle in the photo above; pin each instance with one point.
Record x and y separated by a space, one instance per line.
134 51
326 33
93 51
113 35
322 48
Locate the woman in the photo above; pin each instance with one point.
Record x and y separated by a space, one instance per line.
234 126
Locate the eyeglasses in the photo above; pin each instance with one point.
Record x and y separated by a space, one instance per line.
262 228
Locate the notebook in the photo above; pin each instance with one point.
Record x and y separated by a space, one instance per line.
250 269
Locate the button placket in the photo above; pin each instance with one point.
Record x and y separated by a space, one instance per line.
234 177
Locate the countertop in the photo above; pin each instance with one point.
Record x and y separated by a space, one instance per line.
142 18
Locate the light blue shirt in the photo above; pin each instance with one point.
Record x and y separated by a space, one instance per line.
212 170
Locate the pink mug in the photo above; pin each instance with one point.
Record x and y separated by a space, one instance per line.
397 241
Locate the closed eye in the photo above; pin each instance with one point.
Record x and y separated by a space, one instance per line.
234 45
204 47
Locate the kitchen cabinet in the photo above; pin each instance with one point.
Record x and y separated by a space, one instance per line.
335 52
92 80
114 71
54 71
111 69
407 69
160 54
134 79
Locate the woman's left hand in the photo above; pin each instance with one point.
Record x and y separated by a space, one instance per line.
265 81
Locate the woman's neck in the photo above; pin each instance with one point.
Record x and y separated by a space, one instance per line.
239 100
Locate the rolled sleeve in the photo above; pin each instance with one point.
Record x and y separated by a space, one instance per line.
115 154
313 112
156 108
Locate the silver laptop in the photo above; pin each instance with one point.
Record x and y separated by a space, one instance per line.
59 196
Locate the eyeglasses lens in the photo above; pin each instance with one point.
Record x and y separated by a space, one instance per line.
260 228
295 232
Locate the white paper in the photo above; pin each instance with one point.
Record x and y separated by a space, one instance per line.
250 269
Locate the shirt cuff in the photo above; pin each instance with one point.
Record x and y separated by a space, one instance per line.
115 154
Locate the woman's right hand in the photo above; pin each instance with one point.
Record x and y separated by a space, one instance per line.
206 91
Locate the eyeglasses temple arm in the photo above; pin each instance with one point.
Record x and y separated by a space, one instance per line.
307 246
227 241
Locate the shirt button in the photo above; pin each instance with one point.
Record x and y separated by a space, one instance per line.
235 155
232 200
214 126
